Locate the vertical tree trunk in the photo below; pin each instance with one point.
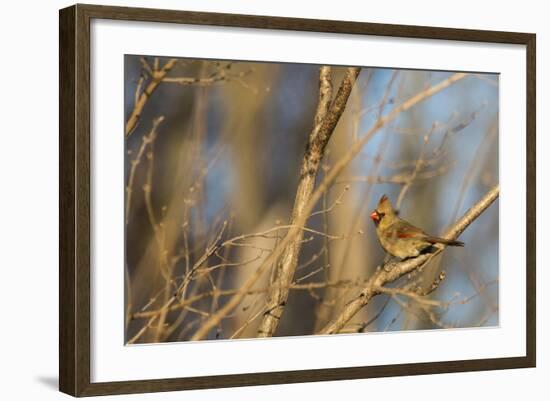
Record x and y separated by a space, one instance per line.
326 117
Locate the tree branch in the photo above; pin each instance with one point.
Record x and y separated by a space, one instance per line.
326 119
392 271
146 142
156 79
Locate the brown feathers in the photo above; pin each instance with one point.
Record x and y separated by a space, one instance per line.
400 238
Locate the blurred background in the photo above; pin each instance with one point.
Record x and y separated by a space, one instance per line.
212 166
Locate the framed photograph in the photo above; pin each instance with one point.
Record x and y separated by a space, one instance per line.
251 200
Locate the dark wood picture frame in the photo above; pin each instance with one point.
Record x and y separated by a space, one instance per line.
74 203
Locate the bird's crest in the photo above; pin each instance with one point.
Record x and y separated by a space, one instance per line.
384 205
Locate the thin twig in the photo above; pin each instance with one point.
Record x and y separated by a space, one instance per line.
146 142
157 76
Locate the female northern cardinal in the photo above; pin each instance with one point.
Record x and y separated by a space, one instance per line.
400 238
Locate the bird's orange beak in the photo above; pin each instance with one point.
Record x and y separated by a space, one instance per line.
375 216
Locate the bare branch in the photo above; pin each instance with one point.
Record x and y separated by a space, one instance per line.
326 119
143 313
156 78
147 140
218 76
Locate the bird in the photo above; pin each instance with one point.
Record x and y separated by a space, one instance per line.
400 238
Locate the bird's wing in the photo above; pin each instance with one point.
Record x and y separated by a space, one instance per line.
403 229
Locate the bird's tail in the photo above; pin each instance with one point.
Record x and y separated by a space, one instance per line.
448 242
